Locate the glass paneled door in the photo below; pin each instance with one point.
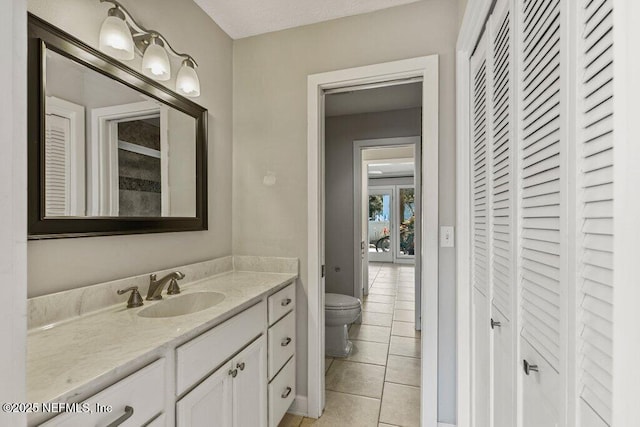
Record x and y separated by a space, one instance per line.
405 223
381 243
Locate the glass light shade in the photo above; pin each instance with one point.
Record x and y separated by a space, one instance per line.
155 62
187 82
115 38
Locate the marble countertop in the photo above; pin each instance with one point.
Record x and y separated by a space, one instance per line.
66 361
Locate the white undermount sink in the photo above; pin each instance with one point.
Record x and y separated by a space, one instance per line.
183 304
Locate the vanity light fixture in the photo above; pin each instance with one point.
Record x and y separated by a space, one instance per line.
121 36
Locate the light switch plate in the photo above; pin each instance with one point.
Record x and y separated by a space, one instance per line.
446 236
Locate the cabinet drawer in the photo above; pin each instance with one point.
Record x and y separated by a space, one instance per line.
282 391
144 391
200 356
281 303
282 343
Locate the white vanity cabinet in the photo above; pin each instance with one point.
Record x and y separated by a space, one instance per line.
233 396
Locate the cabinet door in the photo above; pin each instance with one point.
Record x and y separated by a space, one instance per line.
210 403
250 386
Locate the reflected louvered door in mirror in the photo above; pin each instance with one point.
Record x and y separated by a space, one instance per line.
595 212
542 148
480 146
501 236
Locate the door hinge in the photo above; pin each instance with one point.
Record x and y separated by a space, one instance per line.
322 270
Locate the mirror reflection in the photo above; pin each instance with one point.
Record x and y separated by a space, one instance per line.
111 151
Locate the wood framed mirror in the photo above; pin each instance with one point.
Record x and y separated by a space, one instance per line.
110 151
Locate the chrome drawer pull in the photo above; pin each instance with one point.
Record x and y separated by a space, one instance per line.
286 393
128 412
233 373
240 366
495 324
285 302
285 342
529 368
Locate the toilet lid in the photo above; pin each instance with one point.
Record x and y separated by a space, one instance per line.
339 301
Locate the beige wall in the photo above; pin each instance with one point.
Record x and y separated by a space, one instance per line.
340 132
270 134
56 265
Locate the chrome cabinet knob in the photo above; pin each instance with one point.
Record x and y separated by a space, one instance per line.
285 342
529 367
233 373
285 302
495 324
240 366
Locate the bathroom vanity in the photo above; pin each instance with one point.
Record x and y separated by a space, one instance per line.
232 364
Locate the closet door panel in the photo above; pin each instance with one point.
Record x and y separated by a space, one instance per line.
502 241
481 154
595 212
541 200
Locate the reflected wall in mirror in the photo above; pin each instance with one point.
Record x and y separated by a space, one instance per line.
111 151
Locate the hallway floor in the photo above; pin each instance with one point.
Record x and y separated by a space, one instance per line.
379 383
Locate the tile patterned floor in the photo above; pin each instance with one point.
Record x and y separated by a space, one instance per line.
379 383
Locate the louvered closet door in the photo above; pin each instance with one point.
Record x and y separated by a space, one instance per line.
501 237
541 180
57 166
480 137
595 212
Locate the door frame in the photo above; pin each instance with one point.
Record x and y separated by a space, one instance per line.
425 67
358 147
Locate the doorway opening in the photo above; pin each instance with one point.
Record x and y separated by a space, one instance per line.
411 261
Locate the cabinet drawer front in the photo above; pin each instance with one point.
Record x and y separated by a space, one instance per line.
281 303
282 391
143 391
201 355
282 343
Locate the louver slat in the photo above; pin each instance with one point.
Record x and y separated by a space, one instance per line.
540 179
479 180
501 176
595 210
57 185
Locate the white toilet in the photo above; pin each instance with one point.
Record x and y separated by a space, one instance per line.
339 312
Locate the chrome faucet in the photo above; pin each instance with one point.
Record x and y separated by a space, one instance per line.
156 286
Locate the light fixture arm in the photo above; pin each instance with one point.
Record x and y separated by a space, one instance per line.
139 32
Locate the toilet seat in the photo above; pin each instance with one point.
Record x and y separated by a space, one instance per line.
340 302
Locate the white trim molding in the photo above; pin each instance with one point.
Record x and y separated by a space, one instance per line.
426 68
299 406
472 26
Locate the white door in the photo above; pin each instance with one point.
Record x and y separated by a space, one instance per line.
502 236
210 403
250 386
542 223
481 352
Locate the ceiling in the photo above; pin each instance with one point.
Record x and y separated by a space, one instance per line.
244 18
387 98
389 169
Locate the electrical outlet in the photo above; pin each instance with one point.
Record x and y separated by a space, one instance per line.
446 236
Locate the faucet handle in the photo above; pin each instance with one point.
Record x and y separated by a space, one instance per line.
173 288
135 300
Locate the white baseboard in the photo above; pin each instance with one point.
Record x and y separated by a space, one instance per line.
446 425
299 406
